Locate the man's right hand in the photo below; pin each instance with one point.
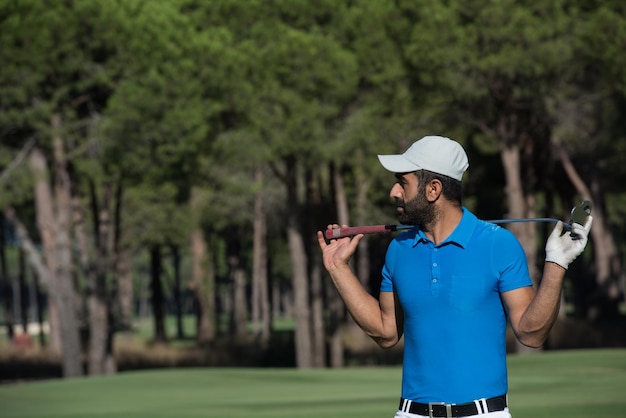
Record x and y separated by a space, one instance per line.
337 252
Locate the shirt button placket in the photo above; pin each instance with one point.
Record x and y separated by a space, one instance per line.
434 272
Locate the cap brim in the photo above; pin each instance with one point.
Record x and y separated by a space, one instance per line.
397 163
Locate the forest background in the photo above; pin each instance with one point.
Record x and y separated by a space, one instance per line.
178 156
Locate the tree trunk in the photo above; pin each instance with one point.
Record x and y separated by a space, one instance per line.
203 288
180 332
34 257
240 302
317 316
519 206
318 332
363 260
123 273
607 260
338 314
46 225
261 317
5 283
98 299
303 333
40 270
98 329
39 302
123 296
287 300
5 280
300 278
276 299
237 276
156 288
21 279
66 301
202 277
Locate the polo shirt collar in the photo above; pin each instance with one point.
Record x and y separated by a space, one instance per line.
461 234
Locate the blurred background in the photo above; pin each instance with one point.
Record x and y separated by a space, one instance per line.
165 165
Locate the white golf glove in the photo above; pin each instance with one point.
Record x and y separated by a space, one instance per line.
561 248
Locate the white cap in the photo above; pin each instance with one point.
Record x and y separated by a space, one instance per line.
433 153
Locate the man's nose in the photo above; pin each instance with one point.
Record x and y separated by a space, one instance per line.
396 191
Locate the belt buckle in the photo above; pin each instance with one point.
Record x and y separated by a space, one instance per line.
448 409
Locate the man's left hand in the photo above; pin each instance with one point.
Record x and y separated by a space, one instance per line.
562 249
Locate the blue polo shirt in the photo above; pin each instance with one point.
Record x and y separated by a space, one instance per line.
454 321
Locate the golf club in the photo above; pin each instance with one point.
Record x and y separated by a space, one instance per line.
578 215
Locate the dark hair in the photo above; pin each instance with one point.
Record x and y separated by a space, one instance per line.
451 189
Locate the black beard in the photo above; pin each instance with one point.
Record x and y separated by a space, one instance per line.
417 211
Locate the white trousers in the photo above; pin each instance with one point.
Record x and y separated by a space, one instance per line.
497 414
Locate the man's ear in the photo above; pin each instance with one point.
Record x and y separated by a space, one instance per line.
433 190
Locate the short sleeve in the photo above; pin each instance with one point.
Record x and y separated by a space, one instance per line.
386 284
510 262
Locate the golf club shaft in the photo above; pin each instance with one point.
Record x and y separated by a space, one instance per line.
376 229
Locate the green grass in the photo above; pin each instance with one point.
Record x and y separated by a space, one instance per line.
568 384
577 383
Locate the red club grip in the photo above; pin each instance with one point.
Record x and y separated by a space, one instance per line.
355 230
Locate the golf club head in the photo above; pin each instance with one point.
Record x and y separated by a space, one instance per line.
579 215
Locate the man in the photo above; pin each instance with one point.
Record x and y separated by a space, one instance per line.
449 285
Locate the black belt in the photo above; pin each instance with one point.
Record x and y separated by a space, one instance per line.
440 409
